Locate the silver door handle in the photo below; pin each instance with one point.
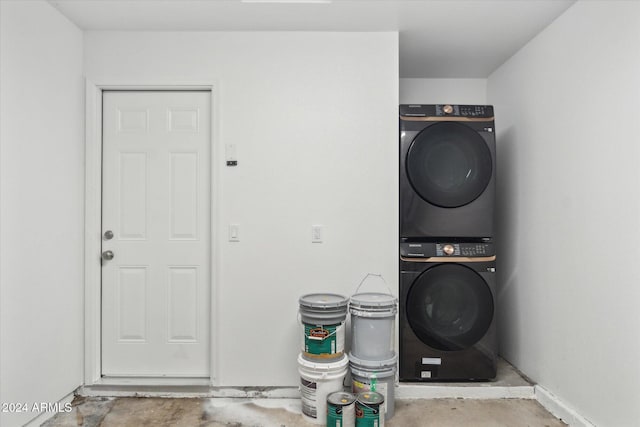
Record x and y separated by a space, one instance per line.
107 255
108 235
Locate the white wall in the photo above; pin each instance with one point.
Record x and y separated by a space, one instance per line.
41 209
569 209
314 119
443 91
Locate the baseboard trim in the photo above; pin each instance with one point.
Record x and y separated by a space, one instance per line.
103 390
402 391
560 409
477 391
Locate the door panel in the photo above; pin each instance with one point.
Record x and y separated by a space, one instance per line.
183 304
131 304
133 196
156 199
184 195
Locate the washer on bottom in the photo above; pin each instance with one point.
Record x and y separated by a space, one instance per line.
447 312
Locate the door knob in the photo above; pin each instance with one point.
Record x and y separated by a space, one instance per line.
107 255
108 235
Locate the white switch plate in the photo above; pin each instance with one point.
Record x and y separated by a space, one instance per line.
317 233
231 154
234 233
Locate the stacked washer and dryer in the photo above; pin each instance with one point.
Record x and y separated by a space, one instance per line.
447 258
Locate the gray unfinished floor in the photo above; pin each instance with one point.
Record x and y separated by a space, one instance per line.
439 404
219 412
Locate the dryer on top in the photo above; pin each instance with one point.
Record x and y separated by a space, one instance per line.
447 171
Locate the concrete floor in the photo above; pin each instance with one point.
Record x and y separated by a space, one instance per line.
506 402
219 412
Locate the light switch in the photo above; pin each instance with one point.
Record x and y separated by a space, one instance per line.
234 233
316 234
231 154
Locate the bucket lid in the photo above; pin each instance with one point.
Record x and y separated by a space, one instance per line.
374 301
323 300
373 364
341 398
370 398
324 366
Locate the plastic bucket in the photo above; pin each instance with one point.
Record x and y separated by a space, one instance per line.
370 409
341 409
378 376
323 318
317 381
373 318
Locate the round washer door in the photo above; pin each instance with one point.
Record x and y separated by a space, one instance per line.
450 307
449 164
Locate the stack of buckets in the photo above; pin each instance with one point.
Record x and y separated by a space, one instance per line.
372 359
323 365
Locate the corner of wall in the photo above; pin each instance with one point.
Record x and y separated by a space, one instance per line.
41 182
560 409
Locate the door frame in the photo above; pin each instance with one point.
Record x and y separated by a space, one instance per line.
92 373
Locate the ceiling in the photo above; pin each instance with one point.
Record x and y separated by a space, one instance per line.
438 38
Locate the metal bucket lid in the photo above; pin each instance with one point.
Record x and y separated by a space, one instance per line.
324 367
370 398
374 301
323 301
341 398
379 365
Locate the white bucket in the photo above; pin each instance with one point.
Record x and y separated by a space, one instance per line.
373 318
378 376
317 381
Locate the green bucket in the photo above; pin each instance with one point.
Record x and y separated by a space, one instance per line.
323 317
341 409
370 409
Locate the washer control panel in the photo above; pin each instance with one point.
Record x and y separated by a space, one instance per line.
430 249
445 110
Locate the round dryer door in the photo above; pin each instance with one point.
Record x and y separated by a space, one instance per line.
449 164
450 307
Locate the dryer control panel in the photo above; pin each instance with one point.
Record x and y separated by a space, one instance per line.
444 249
447 110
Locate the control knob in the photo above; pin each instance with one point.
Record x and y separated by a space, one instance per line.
448 250
448 109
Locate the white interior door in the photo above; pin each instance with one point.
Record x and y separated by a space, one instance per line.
156 204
